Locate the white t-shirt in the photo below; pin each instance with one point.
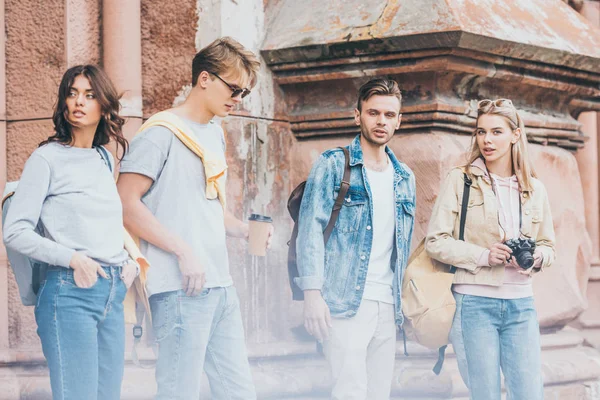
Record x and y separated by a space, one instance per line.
380 276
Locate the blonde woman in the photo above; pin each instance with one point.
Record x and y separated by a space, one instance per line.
509 236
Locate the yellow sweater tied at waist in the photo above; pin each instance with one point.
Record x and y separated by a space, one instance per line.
214 167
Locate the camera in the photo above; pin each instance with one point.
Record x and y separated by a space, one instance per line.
522 250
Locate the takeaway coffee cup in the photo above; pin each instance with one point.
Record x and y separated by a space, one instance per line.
259 225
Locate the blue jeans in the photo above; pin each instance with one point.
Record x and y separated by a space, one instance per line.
491 334
83 334
204 331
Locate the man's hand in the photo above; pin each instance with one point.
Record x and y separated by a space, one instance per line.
499 255
85 270
192 272
317 319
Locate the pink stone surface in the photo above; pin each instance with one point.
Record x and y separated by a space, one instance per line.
560 291
35 56
168 31
83 22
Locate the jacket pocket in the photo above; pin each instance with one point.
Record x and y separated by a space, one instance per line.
475 199
351 214
532 219
407 217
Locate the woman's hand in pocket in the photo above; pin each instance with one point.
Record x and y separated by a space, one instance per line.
129 273
85 270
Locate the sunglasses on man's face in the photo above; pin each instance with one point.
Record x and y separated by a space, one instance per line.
235 91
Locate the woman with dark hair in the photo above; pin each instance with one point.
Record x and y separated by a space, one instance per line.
67 186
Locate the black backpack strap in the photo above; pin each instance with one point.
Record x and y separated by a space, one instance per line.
463 211
339 201
461 236
465 203
36 277
105 157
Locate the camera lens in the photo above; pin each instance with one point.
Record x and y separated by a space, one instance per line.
525 259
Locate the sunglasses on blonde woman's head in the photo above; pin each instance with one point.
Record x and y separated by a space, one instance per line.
495 103
235 91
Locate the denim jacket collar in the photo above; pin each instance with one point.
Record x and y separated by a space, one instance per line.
356 157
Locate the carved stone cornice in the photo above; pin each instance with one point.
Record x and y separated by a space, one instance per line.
440 118
584 84
446 54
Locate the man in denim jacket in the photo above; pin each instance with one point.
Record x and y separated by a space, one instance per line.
352 284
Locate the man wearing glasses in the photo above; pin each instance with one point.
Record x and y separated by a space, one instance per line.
175 202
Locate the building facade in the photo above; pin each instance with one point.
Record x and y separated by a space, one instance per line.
446 54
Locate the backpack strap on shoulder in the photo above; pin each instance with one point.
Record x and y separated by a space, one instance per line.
461 236
104 154
463 211
339 201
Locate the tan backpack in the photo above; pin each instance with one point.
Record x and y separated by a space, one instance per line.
427 301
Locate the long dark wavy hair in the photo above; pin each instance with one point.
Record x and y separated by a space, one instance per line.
111 124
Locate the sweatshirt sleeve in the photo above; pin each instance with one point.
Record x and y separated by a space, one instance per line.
24 215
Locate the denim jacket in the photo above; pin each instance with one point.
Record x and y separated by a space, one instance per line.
339 268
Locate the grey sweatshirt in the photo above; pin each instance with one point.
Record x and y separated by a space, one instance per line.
72 191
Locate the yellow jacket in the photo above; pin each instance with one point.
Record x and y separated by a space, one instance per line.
482 227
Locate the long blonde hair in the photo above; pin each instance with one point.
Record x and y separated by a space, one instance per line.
522 166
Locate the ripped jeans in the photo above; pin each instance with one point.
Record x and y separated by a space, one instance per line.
196 333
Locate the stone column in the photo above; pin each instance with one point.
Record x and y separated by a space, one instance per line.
122 57
587 159
4 342
82 39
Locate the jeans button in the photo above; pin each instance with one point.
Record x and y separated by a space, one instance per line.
369 227
358 287
363 257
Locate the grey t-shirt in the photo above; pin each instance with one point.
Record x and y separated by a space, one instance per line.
72 191
177 198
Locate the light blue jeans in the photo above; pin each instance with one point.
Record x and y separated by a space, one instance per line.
83 334
492 334
204 331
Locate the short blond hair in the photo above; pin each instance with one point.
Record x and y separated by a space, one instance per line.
223 56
